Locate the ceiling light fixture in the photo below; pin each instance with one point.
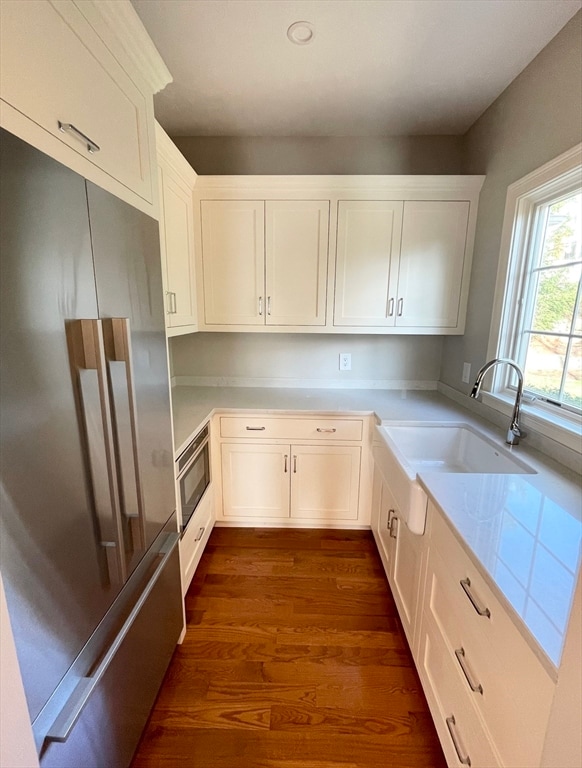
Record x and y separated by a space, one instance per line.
301 33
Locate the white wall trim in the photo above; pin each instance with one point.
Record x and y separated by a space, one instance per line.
399 185
121 29
235 381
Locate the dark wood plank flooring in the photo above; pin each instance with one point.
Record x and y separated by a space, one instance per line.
294 657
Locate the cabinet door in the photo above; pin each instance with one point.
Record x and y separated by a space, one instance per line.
387 510
405 575
368 245
255 480
178 233
432 258
296 261
50 74
233 261
325 482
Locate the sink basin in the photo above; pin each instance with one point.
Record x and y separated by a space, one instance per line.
452 449
401 451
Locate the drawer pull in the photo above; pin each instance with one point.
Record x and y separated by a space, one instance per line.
452 726
255 429
260 305
321 429
393 533
461 656
70 128
400 306
286 460
200 534
294 465
466 584
391 308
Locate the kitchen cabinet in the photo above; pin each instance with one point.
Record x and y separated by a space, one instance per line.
63 84
335 254
265 262
176 182
291 469
470 645
400 264
402 555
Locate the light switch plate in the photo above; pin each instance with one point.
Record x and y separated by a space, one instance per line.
466 372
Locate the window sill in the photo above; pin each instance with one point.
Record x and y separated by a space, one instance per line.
561 429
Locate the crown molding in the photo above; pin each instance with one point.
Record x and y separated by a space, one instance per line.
121 29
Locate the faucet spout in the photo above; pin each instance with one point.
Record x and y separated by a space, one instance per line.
514 431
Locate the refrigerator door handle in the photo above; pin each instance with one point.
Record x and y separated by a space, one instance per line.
88 359
117 336
71 711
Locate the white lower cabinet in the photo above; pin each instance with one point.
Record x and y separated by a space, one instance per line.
401 552
291 470
195 538
303 482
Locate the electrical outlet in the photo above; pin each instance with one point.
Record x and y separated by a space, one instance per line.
345 361
466 373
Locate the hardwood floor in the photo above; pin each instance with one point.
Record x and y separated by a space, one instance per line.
294 657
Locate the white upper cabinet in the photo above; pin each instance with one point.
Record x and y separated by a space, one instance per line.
368 246
335 254
432 258
64 90
264 263
233 254
296 261
400 264
176 182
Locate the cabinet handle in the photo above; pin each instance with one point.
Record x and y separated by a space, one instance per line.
171 303
255 429
321 429
475 687
393 533
294 465
400 305
389 523
466 584
268 305
391 308
286 459
260 306
70 128
174 303
452 726
200 534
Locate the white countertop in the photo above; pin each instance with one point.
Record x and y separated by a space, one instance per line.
524 531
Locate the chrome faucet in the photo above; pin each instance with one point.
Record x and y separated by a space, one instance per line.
515 431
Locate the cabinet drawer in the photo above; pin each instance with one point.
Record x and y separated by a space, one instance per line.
55 68
194 539
465 738
516 689
291 429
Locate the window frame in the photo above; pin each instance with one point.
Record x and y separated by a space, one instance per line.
557 178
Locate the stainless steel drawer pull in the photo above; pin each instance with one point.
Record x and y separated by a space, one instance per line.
393 533
200 534
400 306
466 584
451 725
268 305
321 429
70 128
260 305
391 308
461 656
255 429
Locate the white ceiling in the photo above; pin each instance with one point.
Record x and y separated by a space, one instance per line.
374 68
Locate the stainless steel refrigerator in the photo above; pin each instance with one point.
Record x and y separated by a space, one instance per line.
88 528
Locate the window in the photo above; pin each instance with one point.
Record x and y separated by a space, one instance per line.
537 319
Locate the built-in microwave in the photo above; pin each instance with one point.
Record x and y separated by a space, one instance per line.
193 473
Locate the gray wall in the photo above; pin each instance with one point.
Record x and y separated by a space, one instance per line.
306 356
536 118
220 155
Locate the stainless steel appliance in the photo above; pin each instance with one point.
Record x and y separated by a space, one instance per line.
193 467
88 524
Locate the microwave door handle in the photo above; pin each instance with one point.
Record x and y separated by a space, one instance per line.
117 336
87 356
